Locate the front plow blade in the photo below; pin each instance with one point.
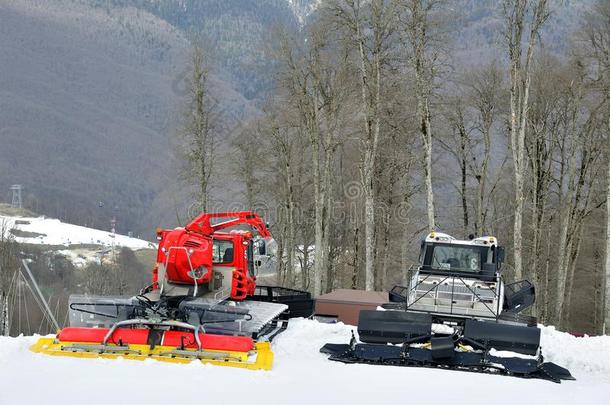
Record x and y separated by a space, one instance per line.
260 358
393 326
514 338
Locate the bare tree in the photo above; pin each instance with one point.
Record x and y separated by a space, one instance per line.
543 125
606 305
284 147
246 166
394 188
369 27
459 146
8 267
485 88
471 112
517 18
315 81
593 50
198 125
580 151
423 39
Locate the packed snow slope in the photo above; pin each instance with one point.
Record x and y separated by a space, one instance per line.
301 375
79 244
48 231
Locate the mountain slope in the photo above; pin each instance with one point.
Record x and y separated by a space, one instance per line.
85 102
236 31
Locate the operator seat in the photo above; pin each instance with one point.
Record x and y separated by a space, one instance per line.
453 263
227 257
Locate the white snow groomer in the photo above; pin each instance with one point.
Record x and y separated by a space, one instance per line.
456 313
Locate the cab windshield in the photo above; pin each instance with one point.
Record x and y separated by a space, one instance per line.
457 257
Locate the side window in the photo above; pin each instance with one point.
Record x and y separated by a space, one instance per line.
222 251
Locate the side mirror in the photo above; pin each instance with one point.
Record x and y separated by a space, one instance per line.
500 255
262 248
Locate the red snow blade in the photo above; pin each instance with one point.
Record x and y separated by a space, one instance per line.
157 337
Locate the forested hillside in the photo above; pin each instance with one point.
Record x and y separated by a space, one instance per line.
88 102
98 83
355 127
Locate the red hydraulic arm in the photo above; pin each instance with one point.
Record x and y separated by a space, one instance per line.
203 226
187 252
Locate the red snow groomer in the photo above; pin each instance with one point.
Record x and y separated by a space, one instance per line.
203 303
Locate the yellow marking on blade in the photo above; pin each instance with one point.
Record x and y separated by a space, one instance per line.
262 351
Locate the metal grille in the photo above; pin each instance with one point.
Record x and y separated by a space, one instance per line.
453 295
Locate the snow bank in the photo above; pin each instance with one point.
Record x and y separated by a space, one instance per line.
47 231
582 355
301 375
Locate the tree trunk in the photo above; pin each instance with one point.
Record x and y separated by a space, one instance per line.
464 174
480 226
518 218
385 250
424 77
566 315
565 245
318 265
607 267
546 293
520 75
305 267
290 240
371 104
427 134
565 238
281 266
356 258
404 246
369 244
326 212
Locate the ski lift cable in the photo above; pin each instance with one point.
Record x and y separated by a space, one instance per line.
27 313
66 318
45 316
19 292
25 303
56 312
46 306
10 305
13 298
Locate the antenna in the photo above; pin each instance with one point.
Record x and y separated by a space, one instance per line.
16 202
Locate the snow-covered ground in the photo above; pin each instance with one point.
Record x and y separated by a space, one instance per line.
48 231
301 375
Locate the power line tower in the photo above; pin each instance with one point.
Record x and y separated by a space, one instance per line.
113 236
16 202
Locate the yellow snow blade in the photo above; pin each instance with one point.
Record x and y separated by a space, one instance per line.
261 358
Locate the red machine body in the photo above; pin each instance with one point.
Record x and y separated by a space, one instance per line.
167 338
190 253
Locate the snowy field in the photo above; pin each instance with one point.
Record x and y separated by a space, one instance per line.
48 231
301 375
